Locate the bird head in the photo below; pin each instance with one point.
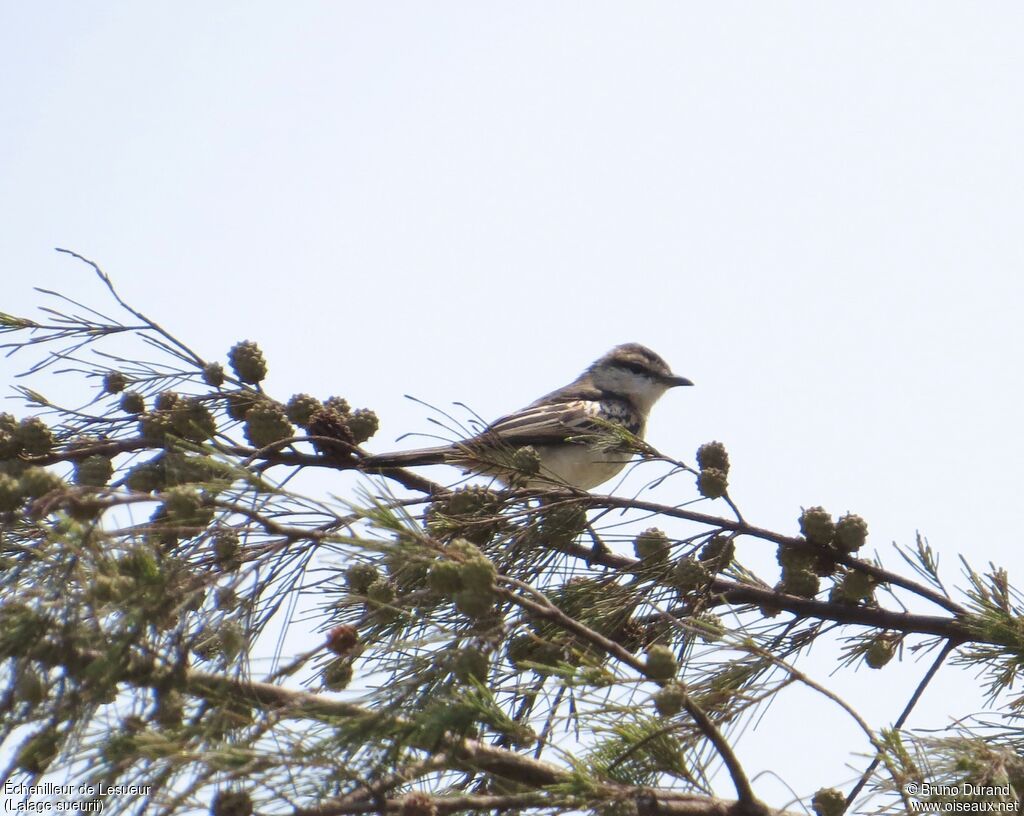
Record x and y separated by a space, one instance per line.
635 372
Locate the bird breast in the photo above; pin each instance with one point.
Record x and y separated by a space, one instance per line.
581 466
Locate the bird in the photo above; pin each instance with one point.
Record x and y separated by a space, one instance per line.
564 427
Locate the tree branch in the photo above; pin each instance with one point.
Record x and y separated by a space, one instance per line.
734 592
543 608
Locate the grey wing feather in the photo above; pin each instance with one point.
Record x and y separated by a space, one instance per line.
552 418
539 423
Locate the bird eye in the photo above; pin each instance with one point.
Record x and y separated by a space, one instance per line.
636 368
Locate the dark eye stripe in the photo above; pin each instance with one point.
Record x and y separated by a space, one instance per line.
636 368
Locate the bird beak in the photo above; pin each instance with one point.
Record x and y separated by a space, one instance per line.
672 381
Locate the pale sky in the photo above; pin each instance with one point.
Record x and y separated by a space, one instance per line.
813 210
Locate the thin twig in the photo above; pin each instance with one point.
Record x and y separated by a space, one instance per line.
544 608
929 675
189 354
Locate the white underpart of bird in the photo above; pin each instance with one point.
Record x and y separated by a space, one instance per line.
619 388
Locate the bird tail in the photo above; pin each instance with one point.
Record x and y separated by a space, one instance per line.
411 458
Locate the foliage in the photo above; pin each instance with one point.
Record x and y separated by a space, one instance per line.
480 647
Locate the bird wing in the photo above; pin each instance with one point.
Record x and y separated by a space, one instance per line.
544 422
534 425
